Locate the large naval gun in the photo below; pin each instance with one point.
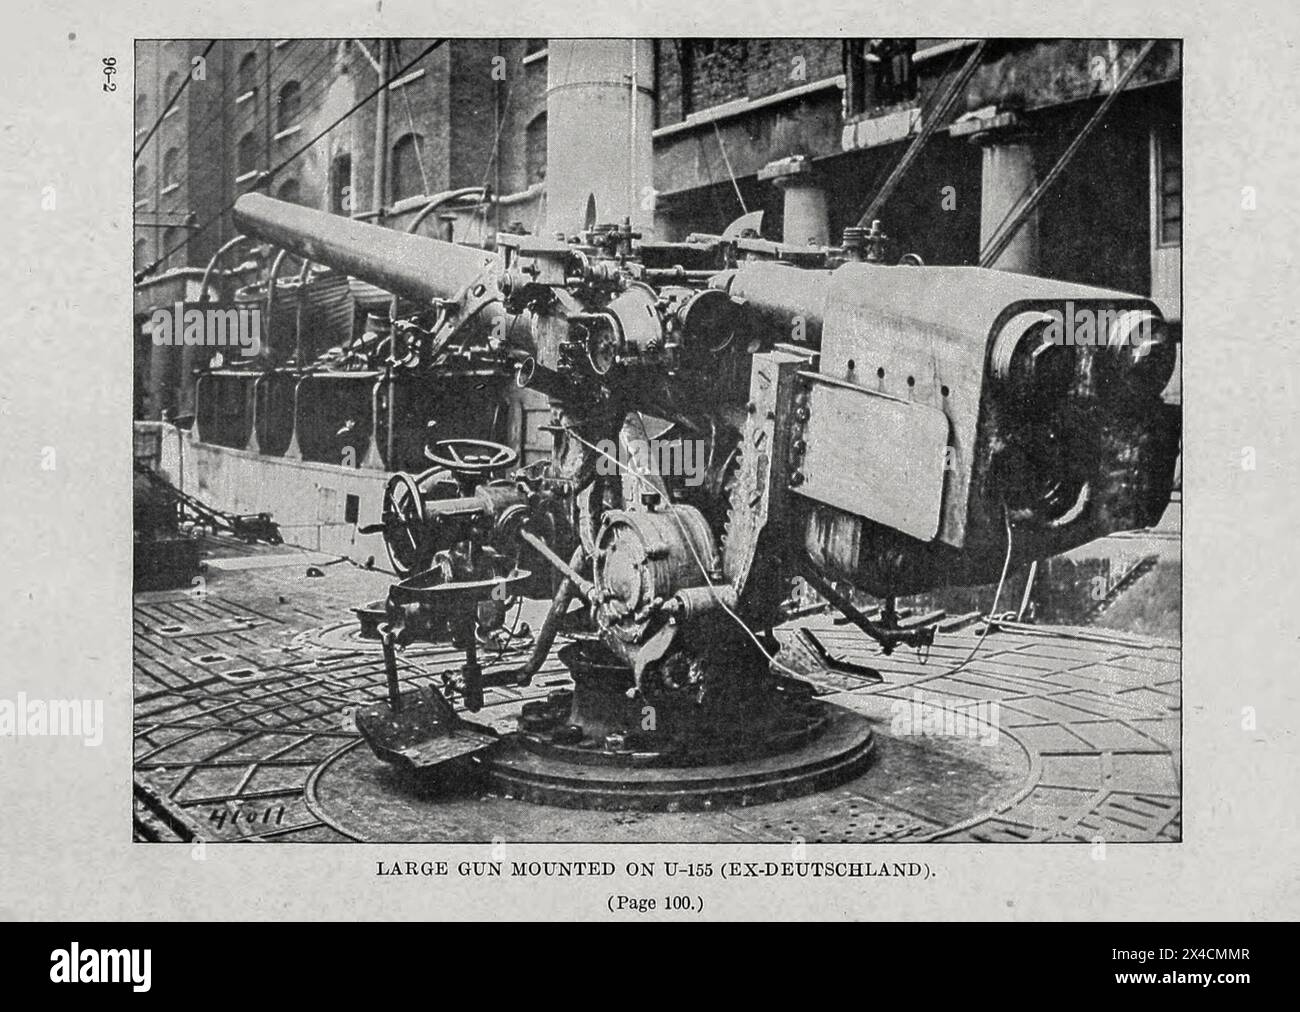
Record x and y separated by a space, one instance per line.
874 427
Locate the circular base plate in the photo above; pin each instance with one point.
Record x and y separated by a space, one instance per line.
839 753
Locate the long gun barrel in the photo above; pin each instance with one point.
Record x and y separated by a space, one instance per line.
413 266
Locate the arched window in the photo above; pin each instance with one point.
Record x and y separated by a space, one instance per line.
141 254
341 201
1169 180
289 108
289 191
246 154
141 182
171 167
407 173
248 73
141 111
535 149
173 246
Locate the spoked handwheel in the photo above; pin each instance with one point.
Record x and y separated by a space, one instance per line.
471 458
403 523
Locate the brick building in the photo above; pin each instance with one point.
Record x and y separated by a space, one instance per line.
253 103
804 129
728 108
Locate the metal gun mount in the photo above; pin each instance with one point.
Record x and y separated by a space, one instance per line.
871 427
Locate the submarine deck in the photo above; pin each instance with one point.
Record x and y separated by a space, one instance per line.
243 689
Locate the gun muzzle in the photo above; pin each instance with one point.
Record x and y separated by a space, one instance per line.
413 266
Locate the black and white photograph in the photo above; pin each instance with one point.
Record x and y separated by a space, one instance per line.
655 463
657 439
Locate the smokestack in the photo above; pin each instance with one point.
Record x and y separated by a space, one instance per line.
599 114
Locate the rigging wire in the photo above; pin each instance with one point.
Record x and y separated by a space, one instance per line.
310 79
993 608
1000 240
271 173
415 141
887 168
1014 205
730 172
258 124
179 91
504 113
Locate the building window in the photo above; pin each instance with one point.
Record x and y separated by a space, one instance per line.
1169 186
171 85
407 171
289 108
248 74
171 168
173 247
879 73
141 254
141 183
246 155
141 111
289 191
535 149
341 185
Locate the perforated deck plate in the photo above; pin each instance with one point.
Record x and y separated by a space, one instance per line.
1088 742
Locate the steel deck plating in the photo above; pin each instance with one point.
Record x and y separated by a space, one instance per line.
245 688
